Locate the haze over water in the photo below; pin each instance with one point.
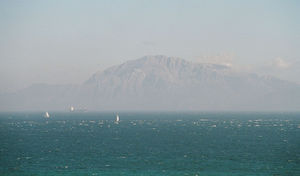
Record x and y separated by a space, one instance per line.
202 88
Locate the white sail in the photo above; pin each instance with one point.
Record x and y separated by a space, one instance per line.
47 115
117 118
72 109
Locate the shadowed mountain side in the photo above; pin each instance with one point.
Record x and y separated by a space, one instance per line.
163 83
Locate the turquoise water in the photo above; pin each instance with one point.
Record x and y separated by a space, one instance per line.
150 144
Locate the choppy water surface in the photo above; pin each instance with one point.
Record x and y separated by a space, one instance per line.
150 144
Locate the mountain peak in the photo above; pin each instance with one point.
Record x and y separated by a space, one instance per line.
157 67
159 82
156 60
161 58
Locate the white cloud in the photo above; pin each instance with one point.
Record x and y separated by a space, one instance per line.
285 69
281 63
222 59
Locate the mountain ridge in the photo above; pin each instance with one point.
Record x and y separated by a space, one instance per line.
163 83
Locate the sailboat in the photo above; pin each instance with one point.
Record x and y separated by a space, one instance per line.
47 115
117 119
72 109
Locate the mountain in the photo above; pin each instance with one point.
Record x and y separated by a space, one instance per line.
163 83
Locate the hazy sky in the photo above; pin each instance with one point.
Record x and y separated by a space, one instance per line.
66 41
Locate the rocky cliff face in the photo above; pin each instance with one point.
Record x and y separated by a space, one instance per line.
167 83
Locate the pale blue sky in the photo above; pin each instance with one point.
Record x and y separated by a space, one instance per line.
66 41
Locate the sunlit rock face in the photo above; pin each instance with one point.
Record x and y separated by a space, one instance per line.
165 83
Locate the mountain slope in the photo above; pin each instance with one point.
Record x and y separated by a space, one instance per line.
167 83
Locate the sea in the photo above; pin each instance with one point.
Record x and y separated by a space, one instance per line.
150 144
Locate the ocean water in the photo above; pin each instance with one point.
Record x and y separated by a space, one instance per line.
146 144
